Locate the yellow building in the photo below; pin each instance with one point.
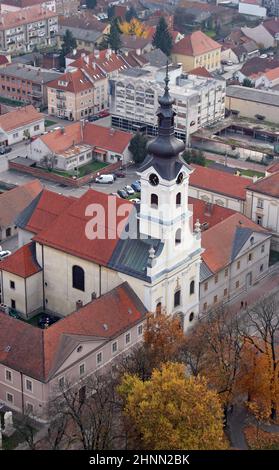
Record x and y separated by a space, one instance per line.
197 50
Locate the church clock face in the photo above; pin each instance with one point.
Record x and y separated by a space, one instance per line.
153 179
180 178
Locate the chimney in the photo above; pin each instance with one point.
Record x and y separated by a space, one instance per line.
97 53
79 304
108 53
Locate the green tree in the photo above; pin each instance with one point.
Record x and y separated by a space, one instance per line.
173 411
68 45
162 38
91 4
248 83
113 39
130 14
194 156
137 147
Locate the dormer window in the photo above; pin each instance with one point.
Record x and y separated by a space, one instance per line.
62 83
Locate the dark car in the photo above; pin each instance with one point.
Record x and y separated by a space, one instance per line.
46 320
136 186
122 193
93 118
4 150
119 174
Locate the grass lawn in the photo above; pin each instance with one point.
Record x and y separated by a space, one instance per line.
48 122
251 173
10 102
134 196
211 33
91 168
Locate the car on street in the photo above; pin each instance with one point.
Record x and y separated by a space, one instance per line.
93 118
136 186
136 200
122 193
119 174
129 190
104 113
4 254
104 179
4 150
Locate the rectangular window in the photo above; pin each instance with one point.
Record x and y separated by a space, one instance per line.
99 358
237 284
13 304
177 298
238 265
9 376
12 284
225 292
250 256
259 220
128 338
29 408
37 127
205 286
114 347
140 330
216 279
29 385
260 204
262 248
205 306
82 369
10 397
215 299
226 272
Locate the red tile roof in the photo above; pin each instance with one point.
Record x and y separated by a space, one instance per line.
62 139
12 19
208 213
37 353
273 168
218 241
200 72
13 202
22 262
107 61
272 26
20 117
3 60
106 138
77 81
74 239
195 44
268 185
219 182
48 208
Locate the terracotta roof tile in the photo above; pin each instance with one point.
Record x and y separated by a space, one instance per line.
106 138
207 213
11 19
219 182
195 44
200 72
62 139
73 82
268 185
20 117
22 262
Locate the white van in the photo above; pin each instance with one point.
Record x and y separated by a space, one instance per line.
105 179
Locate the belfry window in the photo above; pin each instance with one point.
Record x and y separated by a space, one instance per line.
78 278
154 201
178 236
192 287
178 199
177 298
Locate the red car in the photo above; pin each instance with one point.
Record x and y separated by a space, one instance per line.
104 113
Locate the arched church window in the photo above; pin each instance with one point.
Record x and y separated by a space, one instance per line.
178 236
178 199
192 287
177 298
191 316
78 278
159 308
154 201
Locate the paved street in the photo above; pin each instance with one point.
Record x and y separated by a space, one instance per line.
235 163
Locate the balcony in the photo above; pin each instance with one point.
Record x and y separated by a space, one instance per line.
61 105
60 97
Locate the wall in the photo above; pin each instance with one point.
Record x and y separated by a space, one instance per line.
250 109
251 9
17 135
219 199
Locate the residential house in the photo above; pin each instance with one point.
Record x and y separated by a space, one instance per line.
263 205
255 68
252 7
20 124
16 5
133 43
218 187
272 7
248 102
77 144
235 257
268 79
26 83
23 30
265 34
12 204
197 49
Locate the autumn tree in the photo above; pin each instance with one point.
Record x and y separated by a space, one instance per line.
133 28
162 38
259 330
173 411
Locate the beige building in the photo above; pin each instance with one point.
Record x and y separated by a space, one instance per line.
78 93
197 50
249 102
21 31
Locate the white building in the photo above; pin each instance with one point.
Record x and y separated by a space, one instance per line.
20 124
251 7
199 101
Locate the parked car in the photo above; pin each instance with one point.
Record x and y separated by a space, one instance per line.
104 113
93 118
4 254
119 174
129 190
122 193
136 186
104 179
4 150
135 200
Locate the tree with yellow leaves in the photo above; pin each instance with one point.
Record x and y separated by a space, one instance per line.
133 27
173 411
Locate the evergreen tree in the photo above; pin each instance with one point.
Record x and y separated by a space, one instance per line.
248 83
113 39
130 14
111 12
91 4
68 45
194 156
162 38
137 147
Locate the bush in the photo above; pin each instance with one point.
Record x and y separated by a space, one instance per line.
194 156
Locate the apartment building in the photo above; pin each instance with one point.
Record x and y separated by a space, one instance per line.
199 101
25 83
15 5
23 30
